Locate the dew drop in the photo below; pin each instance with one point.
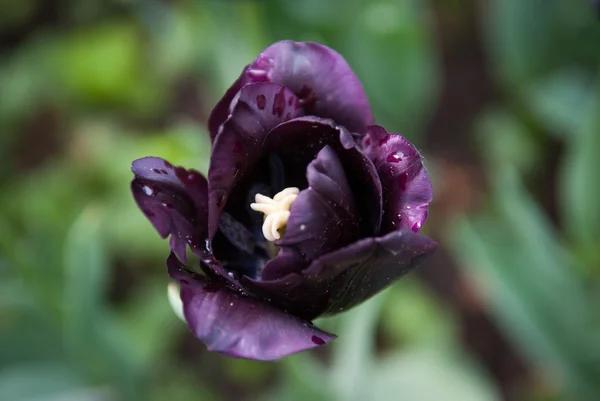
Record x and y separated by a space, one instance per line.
395 157
416 227
148 190
302 227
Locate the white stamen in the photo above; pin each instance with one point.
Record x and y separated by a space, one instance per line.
276 210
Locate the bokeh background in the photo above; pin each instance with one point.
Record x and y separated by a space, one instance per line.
502 96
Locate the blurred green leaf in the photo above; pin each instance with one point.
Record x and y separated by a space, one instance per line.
304 378
523 37
506 140
580 191
39 382
105 65
564 101
425 375
150 324
389 47
353 352
86 268
532 284
412 317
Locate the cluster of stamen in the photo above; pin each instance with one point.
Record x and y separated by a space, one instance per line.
276 210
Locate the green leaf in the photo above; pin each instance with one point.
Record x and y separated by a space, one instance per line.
532 285
580 191
412 317
45 382
425 375
391 50
354 351
506 140
564 101
528 39
86 267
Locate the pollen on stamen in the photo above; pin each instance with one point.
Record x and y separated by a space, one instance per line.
276 211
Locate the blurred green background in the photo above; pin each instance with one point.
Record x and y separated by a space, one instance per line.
500 95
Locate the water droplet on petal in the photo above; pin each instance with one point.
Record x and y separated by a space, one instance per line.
395 157
416 227
148 190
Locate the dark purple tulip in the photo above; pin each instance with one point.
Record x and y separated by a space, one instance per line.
309 209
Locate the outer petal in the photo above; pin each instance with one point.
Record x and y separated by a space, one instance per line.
344 278
318 75
174 200
238 325
323 217
406 186
258 109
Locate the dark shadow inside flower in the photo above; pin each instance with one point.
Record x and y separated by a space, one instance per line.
339 200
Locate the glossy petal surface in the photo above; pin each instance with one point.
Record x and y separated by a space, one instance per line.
318 75
298 142
257 109
323 217
348 276
174 200
406 186
238 325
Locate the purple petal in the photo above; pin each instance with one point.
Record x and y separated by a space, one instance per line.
406 186
174 200
318 75
257 109
346 277
298 141
323 217
240 326
287 261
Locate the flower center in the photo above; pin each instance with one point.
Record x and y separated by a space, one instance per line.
276 210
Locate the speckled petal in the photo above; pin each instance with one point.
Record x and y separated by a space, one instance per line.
238 325
346 277
318 75
175 201
406 187
257 109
